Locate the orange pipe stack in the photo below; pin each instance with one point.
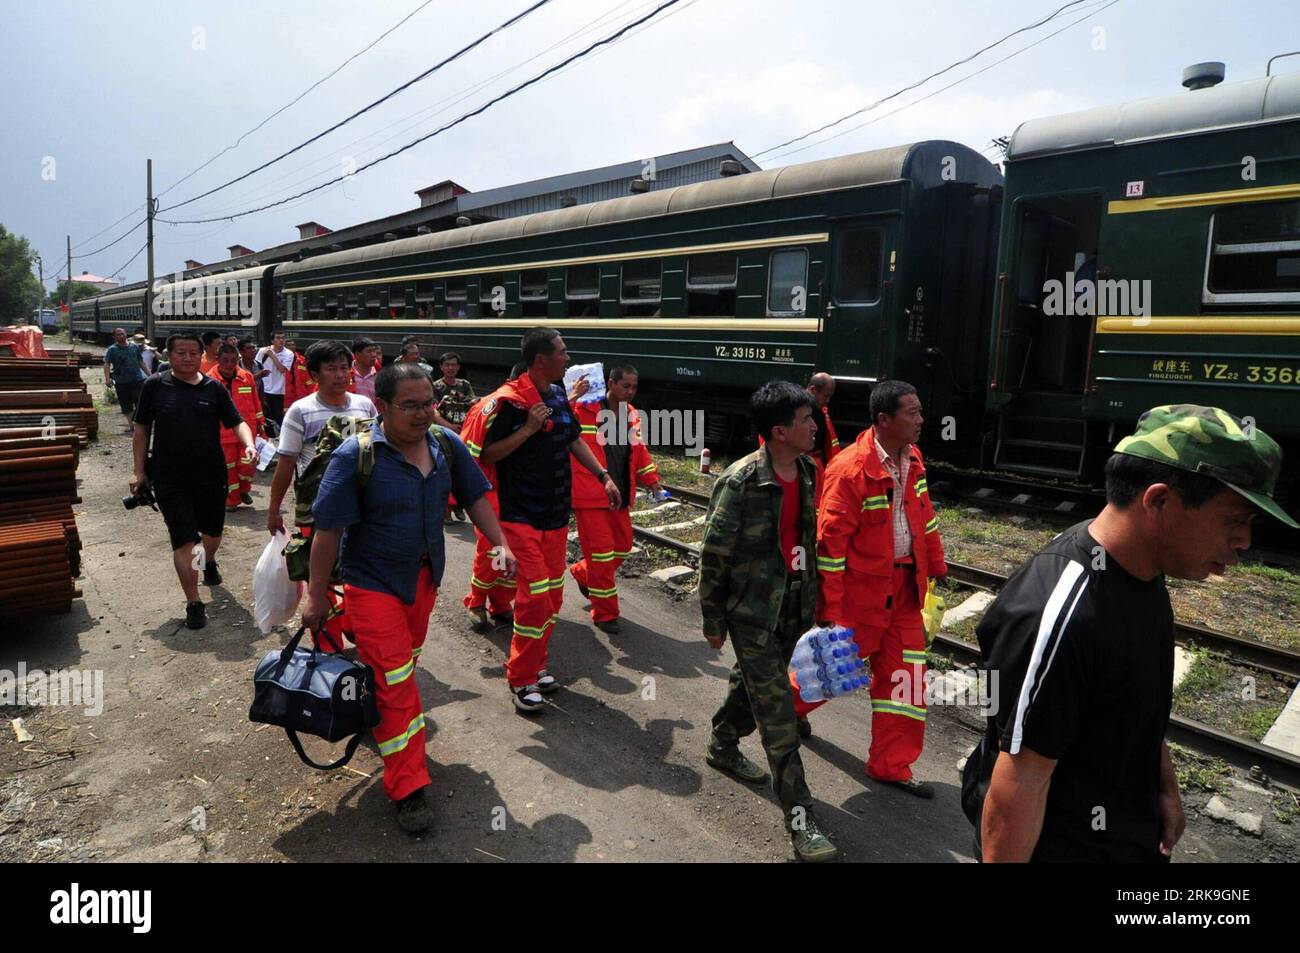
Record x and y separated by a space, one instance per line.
35 575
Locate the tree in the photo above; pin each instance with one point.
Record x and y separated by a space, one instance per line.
80 289
19 289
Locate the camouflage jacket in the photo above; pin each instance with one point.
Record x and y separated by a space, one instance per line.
742 568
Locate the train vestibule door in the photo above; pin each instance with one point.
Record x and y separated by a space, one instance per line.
860 276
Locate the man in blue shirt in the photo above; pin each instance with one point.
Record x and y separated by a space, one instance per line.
390 526
124 371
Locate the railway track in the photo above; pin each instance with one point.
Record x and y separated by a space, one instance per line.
1242 753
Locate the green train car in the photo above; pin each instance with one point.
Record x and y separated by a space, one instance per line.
1186 211
869 266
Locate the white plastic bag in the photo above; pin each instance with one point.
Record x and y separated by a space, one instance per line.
275 595
266 450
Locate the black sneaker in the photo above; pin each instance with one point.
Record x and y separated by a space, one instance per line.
247 498
503 619
196 615
414 815
608 626
528 699
804 727
459 513
546 683
211 574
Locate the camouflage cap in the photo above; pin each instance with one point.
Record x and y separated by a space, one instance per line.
1214 443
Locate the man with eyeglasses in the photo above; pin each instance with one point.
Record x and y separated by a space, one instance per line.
393 556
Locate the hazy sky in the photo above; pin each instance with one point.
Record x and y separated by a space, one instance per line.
92 89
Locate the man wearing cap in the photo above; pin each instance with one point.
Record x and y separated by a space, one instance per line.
1073 765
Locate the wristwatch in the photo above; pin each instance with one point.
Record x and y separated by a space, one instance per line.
602 476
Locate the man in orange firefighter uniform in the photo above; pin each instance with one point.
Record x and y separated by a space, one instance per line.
243 392
611 427
877 547
822 387
530 448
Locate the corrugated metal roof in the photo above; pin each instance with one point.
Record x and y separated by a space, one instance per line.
920 161
1227 106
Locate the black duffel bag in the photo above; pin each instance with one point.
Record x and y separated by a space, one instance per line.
316 693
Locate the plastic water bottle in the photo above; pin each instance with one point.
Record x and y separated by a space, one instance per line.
663 496
825 664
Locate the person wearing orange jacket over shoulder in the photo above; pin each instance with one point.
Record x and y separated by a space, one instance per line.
531 449
611 427
877 548
491 596
243 391
298 382
822 387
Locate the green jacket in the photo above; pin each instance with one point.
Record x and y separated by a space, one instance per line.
742 568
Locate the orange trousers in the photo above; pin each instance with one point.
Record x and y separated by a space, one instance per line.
390 636
337 624
606 539
239 475
896 652
539 593
485 583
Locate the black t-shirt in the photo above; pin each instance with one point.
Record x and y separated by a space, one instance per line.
1084 656
618 461
534 484
187 421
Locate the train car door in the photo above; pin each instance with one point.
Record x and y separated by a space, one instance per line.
853 330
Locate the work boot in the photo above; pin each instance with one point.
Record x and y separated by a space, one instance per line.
414 815
478 619
810 844
586 594
912 786
247 498
502 619
804 727
732 762
196 615
608 626
211 574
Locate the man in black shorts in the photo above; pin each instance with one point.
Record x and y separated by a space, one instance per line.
1074 765
185 411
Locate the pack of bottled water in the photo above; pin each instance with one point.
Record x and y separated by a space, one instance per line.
825 664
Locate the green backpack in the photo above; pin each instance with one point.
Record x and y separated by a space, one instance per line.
297 552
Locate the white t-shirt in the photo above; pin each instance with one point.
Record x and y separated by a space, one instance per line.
304 421
273 383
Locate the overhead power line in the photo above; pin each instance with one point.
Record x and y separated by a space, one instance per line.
365 109
441 129
921 82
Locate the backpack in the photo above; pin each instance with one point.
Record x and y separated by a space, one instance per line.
297 552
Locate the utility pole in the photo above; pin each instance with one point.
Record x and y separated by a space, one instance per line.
149 329
71 337
40 298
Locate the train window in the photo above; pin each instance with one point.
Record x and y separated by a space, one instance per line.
372 296
423 291
534 290
1255 253
711 284
492 295
457 296
787 282
641 287
858 264
582 290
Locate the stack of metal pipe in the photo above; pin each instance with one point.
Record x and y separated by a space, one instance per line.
38 392
35 577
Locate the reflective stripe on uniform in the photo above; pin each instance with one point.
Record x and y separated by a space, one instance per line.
875 503
831 564
933 525
401 673
531 632
603 593
605 557
887 706
915 656
646 469
394 745
921 486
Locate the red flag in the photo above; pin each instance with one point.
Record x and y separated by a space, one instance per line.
63 306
